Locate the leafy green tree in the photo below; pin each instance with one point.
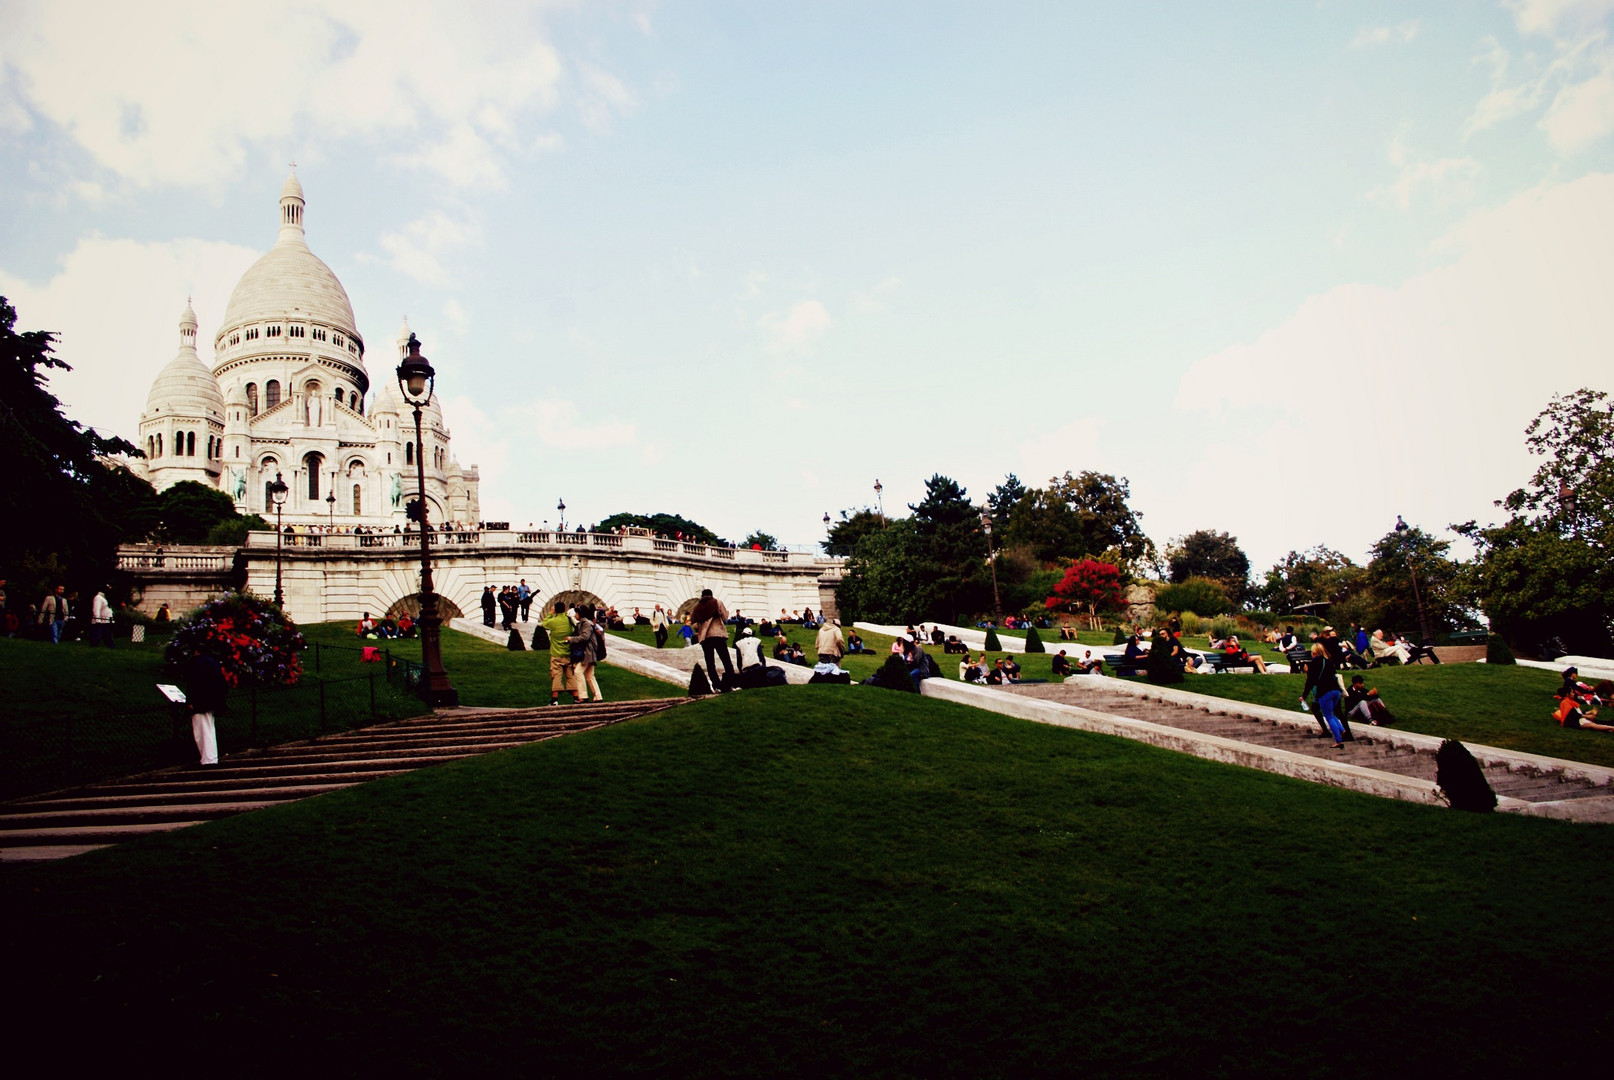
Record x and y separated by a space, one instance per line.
854 526
1200 595
1079 515
885 579
1573 489
1004 498
189 510
760 539
954 550
665 524
67 506
1391 599
1320 575
1210 554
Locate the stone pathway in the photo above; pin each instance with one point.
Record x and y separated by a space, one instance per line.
64 823
1381 761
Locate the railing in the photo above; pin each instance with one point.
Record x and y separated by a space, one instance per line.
623 543
131 557
46 751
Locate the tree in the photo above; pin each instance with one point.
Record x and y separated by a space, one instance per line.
1209 554
1545 572
884 581
1200 595
854 526
1004 498
1320 575
1079 515
670 525
1391 599
189 511
927 567
68 506
760 539
1090 586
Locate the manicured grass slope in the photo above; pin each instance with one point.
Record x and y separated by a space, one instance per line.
1509 707
819 880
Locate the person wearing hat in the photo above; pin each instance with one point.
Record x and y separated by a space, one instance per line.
748 649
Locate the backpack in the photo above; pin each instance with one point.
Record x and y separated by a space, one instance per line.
599 642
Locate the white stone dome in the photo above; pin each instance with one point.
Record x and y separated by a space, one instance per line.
290 281
185 387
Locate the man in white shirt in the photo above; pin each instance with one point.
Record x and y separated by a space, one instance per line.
101 620
749 649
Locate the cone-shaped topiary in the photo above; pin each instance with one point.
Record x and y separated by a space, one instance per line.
515 644
1497 651
1033 642
992 642
1460 779
894 675
1120 635
540 638
699 685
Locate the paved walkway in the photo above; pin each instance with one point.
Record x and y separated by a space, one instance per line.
1382 761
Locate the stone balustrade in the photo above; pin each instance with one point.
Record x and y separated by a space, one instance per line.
551 540
175 559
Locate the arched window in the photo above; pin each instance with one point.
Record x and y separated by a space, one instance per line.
358 500
409 453
313 463
339 395
190 443
252 399
353 400
159 445
271 394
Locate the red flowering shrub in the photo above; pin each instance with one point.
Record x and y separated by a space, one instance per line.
1088 585
253 641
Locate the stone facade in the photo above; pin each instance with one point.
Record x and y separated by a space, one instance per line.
289 394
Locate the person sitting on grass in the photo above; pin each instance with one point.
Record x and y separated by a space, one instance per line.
1061 665
366 626
1288 640
1090 664
854 644
1574 714
1362 703
781 647
406 626
748 649
1066 631
1011 669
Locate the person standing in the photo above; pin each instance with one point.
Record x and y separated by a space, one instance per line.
710 623
101 619
829 644
559 628
585 654
1322 675
204 696
507 607
488 604
524 596
658 624
53 612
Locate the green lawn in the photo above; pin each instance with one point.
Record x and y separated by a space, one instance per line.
829 881
491 675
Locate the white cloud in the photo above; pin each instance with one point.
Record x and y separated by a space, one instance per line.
872 301
1443 181
111 301
417 249
200 84
1576 80
561 424
454 312
796 330
1399 34
601 96
1424 388
1546 16
464 158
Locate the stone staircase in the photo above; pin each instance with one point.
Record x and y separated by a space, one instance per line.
1524 783
64 823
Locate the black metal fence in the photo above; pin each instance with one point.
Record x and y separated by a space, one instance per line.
339 691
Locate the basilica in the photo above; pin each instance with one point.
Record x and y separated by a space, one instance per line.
288 395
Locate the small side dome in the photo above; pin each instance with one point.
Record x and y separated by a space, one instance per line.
185 387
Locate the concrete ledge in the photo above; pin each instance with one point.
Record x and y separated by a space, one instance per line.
1211 747
1514 760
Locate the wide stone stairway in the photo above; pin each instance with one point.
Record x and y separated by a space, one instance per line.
1550 787
64 823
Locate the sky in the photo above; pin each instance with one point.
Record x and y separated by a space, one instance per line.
1291 269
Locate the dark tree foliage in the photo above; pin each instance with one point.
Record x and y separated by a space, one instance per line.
190 510
1209 554
1200 595
885 580
1391 601
1079 515
67 506
854 526
1004 498
760 539
928 567
1310 577
1546 571
665 524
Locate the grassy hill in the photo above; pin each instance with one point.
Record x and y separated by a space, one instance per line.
830 880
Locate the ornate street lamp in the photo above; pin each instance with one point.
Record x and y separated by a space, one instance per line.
277 495
997 605
1403 530
879 501
560 508
417 380
330 501
1566 506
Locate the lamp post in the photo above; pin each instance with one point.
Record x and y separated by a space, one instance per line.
560 508
330 501
417 380
1403 530
1566 506
997 605
879 501
277 495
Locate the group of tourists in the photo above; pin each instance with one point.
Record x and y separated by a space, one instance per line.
1579 702
507 604
385 628
59 616
576 645
985 672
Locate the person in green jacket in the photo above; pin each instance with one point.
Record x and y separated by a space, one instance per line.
559 628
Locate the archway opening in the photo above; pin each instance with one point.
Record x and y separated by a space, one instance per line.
571 598
410 604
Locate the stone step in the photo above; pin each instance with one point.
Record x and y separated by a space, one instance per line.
96 834
196 780
139 797
119 815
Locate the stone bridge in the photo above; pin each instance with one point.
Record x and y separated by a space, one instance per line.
340 576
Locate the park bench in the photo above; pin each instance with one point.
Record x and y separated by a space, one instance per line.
1118 662
1468 637
1220 662
1297 658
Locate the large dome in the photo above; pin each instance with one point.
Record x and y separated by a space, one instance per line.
290 281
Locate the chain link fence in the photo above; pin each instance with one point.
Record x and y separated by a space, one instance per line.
340 690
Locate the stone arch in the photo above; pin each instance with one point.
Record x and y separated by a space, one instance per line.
685 608
410 604
570 597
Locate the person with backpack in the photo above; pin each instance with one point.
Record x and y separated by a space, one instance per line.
709 621
584 651
557 628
